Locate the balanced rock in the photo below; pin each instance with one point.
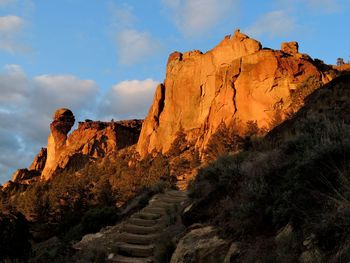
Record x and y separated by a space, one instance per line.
63 121
91 140
233 84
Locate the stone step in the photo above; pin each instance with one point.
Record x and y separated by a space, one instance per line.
146 216
133 229
138 239
177 193
158 203
155 210
135 250
171 199
124 259
142 222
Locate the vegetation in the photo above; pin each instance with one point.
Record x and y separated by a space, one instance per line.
14 231
302 183
303 90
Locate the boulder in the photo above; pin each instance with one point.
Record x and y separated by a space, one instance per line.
201 245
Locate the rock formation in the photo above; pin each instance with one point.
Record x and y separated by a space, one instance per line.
290 48
63 121
236 82
39 161
92 139
201 245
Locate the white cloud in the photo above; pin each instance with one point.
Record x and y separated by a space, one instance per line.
11 29
27 105
128 99
26 109
273 24
13 84
133 46
63 91
10 24
194 17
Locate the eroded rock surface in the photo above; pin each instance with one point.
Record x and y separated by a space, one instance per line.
39 161
92 139
232 84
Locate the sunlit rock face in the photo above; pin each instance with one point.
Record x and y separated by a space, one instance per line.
236 82
63 121
39 161
92 140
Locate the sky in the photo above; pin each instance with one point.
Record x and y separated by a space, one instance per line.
103 58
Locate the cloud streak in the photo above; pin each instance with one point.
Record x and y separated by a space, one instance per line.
132 45
27 105
128 99
273 24
11 30
194 17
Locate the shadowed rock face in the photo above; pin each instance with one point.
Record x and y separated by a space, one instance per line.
39 161
232 84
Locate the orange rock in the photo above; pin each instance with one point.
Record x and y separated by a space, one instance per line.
233 83
290 47
39 161
92 139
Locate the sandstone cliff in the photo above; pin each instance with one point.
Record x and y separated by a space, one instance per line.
92 139
236 82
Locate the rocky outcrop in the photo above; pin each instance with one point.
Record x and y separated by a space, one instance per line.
39 161
291 48
236 82
63 121
22 175
92 139
201 245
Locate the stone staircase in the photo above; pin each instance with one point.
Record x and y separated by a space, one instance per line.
140 232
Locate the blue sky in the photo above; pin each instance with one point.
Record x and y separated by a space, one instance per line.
103 58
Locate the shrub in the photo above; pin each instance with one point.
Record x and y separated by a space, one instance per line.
96 218
14 242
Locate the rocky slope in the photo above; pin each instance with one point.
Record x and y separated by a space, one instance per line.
236 82
90 141
286 197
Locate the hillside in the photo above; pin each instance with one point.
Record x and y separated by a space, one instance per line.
285 198
261 136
